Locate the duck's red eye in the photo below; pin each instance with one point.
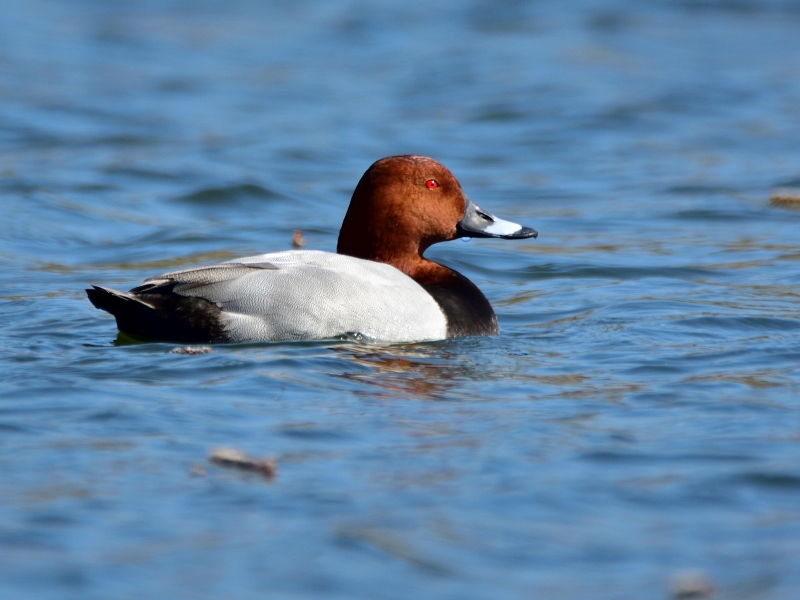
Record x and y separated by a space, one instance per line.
431 184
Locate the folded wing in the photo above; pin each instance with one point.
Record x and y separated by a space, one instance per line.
293 295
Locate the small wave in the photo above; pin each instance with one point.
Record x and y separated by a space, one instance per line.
773 480
228 194
742 323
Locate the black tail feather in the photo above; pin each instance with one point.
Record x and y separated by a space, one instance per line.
163 316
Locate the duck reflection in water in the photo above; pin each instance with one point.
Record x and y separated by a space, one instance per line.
425 372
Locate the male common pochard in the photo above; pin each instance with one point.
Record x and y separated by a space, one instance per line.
377 286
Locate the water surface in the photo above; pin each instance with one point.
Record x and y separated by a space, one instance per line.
636 418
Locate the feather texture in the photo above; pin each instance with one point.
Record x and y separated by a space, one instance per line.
307 295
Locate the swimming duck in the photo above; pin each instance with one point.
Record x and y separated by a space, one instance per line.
377 286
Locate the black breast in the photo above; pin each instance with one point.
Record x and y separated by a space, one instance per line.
466 309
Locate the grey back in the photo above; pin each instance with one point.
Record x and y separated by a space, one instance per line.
308 294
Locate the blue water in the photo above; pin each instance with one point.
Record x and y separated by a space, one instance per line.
637 418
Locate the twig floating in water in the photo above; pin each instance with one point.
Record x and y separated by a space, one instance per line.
230 457
788 197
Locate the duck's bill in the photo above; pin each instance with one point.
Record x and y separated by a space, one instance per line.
479 223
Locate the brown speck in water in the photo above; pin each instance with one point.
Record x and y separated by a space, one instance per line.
789 198
691 584
230 457
298 241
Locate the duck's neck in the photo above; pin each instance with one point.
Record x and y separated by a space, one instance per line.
410 262
425 271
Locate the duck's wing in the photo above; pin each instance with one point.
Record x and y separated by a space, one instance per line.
291 295
183 282
165 308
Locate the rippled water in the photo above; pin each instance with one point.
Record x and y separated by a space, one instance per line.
637 417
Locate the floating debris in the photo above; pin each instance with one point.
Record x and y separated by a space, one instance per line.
298 241
786 197
230 457
198 470
688 585
191 350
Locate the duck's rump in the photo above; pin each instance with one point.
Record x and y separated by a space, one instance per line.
162 316
292 295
